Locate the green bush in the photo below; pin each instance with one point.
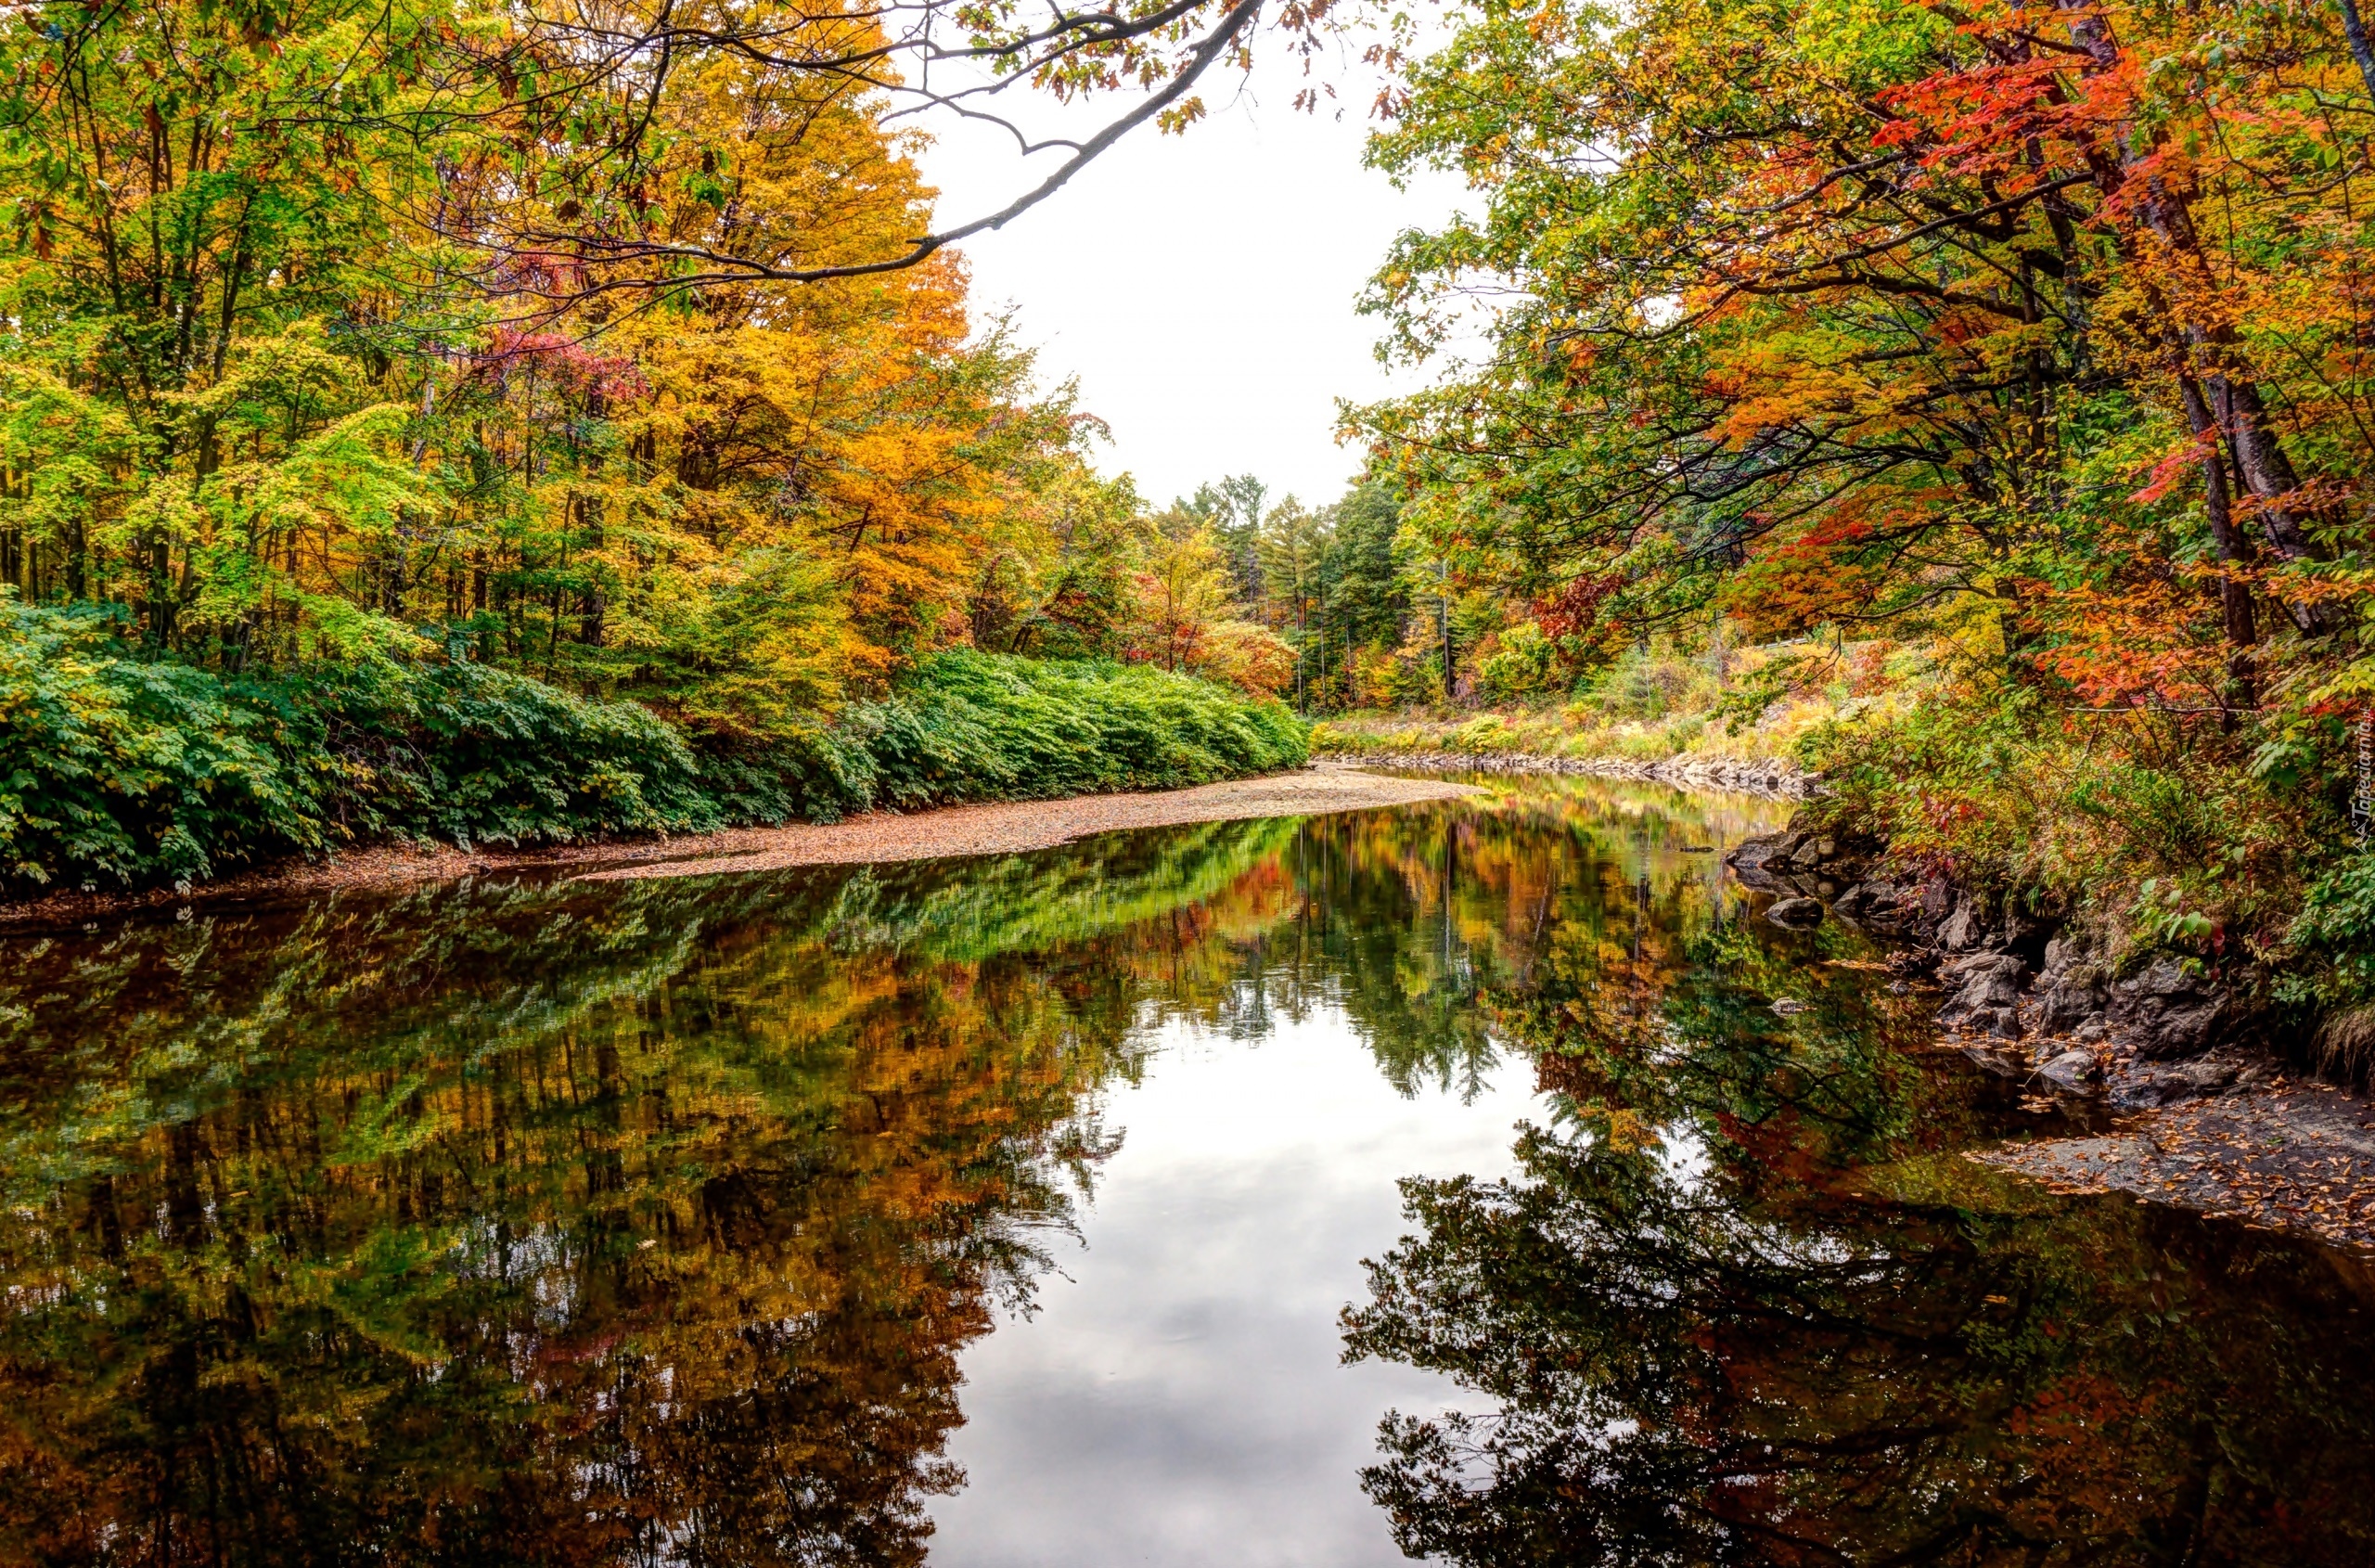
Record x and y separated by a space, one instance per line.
118 769
468 754
135 772
970 726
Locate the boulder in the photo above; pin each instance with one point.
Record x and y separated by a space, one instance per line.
1986 995
2167 1009
1797 914
1880 908
2070 997
1762 862
1962 931
2072 1070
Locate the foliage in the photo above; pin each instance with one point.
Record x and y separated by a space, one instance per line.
972 726
470 426
2032 341
124 769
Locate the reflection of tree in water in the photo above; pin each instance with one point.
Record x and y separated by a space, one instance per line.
1420 924
519 1223
647 1222
1745 1304
1681 1378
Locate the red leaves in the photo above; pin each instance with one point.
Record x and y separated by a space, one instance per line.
1574 610
559 362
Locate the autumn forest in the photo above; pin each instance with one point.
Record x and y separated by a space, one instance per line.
479 420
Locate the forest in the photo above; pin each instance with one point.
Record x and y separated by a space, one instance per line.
471 421
468 422
2001 378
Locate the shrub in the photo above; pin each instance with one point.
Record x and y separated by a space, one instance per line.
468 755
131 770
970 726
114 768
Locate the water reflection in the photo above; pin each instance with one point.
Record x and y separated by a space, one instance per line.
1742 1302
640 1222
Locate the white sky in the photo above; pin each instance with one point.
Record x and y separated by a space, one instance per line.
1200 287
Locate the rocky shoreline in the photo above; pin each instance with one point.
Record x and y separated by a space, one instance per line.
2206 1111
1748 775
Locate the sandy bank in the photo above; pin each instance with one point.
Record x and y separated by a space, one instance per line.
1011 827
1000 827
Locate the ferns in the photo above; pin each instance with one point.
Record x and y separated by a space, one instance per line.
121 770
973 725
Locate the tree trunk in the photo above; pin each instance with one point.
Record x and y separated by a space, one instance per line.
2234 551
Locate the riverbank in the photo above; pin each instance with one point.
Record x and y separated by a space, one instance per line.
2185 1100
1752 776
999 828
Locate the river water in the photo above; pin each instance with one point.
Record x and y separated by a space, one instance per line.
1441 1181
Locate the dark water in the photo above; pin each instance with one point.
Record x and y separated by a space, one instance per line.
1016 1211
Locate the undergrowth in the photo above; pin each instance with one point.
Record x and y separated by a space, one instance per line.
118 770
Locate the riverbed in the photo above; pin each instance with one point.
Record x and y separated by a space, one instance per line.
1477 1178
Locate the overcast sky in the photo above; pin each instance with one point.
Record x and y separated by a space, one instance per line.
1200 287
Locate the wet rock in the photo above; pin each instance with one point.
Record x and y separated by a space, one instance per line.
1881 907
2002 1062
1986 995
1757 775
2167 1010
2072 1070
2144 1086
1761 862
1797 914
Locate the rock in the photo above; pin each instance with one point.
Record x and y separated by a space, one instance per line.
1987 993
1937 896
1961 931
1758 862
1998 1060
1797 914
1790 1007
2167 1010
2064 950
2069 998
2005 966
2072 992
2072 1070
1880 908
2146 1086
1762 776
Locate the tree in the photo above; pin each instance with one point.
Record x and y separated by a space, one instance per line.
1873 322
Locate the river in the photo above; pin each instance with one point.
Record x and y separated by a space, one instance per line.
1441 1181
